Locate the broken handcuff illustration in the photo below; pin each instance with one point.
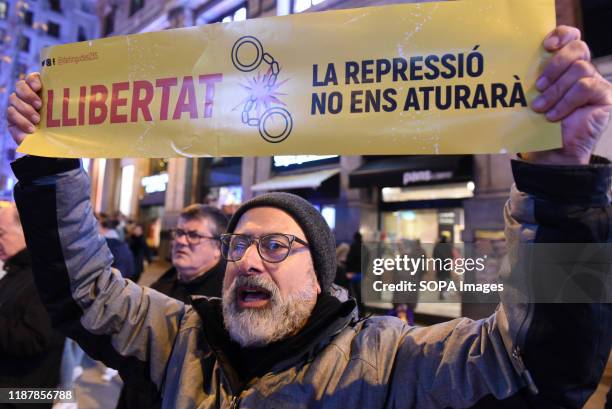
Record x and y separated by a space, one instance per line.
267 86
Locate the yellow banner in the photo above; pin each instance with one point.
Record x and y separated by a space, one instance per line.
449 77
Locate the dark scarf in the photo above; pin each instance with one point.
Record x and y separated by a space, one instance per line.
209 284
240 365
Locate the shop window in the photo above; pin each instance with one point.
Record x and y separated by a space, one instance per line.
10 183
282 163
99 171
4 7
225 161
136 5
459 190
22 69
226 198
53 29
127 185
425 225
155 183
81 36
86 164
176 17
55 5
158 166
24 44
86 7
109 23
301 5
239 14
329 214
596 16
28 18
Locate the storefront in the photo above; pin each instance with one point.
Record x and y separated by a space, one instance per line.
219 183
315 178
152 199
420 198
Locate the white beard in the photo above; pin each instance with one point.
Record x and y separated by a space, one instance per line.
254 327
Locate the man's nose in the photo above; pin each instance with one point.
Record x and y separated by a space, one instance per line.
251 261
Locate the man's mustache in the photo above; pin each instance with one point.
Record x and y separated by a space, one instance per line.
255 281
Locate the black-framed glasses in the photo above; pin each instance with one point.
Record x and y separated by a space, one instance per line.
273 248
193 237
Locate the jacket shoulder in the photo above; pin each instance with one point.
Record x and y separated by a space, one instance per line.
170 276
191 321
371 338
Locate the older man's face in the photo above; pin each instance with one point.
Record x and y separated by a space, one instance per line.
264 302
191 259
12 240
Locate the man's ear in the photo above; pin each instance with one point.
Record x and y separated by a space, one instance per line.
318 288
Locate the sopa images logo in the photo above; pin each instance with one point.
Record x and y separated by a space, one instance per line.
262 107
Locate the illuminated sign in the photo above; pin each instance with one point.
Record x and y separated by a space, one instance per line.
446 218
425 176
289 160
155 183
230 195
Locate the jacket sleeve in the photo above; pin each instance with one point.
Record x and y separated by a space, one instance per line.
553 213
527 354
126 326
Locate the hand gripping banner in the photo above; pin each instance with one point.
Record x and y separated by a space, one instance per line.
430 78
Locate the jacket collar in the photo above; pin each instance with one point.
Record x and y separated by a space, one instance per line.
17 262
215 274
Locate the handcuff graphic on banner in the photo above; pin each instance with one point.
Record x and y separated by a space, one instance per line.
250 104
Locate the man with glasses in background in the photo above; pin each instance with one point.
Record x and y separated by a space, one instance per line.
197 265
197 269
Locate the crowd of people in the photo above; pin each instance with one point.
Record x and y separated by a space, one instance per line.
127 242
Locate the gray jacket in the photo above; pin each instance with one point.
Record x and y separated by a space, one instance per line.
510 359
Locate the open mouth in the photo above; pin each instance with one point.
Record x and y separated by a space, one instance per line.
253 296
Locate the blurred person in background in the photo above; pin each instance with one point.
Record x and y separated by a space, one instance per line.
120 222
140 249
30 349
443 250
71 370
123 258
406 302
353 268
197 265
342 251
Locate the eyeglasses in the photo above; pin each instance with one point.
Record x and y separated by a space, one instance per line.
193 237
272 248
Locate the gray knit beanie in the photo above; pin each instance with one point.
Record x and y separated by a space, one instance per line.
318 235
